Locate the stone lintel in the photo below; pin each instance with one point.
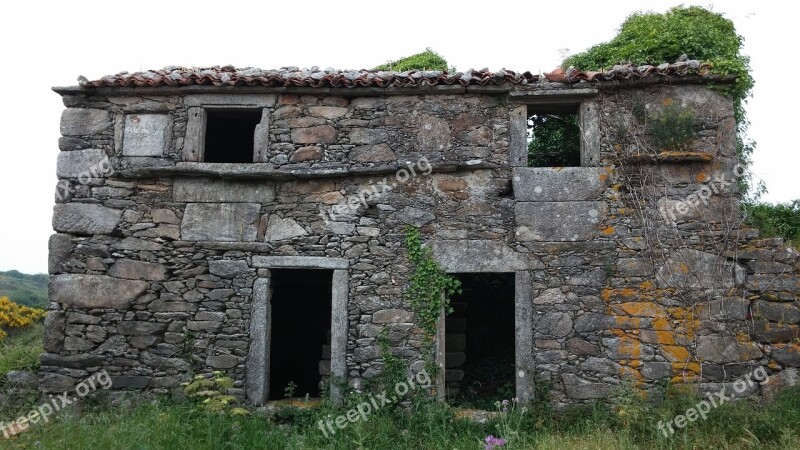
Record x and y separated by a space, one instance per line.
300 262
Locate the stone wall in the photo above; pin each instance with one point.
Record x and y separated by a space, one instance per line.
157 254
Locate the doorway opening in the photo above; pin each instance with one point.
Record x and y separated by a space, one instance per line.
300 351
479 341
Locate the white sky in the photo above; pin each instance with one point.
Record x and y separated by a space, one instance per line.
50 44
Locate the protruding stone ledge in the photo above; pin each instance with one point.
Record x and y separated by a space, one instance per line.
268 171
670 157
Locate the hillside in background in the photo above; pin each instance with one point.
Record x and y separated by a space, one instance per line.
29 290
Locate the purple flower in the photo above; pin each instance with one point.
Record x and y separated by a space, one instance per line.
492 442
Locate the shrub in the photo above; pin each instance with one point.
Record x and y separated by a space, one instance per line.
782 219
13 315
427 60
650 38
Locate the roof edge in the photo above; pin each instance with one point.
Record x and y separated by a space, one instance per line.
315 77
495 89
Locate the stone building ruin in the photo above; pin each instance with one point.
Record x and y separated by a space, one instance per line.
204 216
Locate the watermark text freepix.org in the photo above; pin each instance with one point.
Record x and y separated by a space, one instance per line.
100 380
375 402
101 169
376 190
713 400
702 195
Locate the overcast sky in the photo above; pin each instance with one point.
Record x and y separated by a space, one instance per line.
51 44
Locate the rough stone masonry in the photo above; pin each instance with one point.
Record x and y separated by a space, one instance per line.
161 263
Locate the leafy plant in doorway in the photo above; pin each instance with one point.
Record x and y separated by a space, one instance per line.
288 391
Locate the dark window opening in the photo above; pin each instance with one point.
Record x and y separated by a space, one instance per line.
554 136
230 135
479 341
300 355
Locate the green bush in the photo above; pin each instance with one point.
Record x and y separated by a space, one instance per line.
427 60
650 38
782 219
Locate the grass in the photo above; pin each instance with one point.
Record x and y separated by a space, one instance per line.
629 422
428 425
21 349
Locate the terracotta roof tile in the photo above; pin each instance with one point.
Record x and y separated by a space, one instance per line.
315 77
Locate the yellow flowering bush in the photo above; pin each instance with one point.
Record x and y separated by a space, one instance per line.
13 315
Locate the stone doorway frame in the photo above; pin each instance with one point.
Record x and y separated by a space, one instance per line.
257 369
492 257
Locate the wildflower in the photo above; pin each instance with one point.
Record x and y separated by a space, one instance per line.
492 442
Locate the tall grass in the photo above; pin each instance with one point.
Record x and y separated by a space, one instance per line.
426 425
780 219
21 349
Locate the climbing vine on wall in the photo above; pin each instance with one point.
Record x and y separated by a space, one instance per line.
427 284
